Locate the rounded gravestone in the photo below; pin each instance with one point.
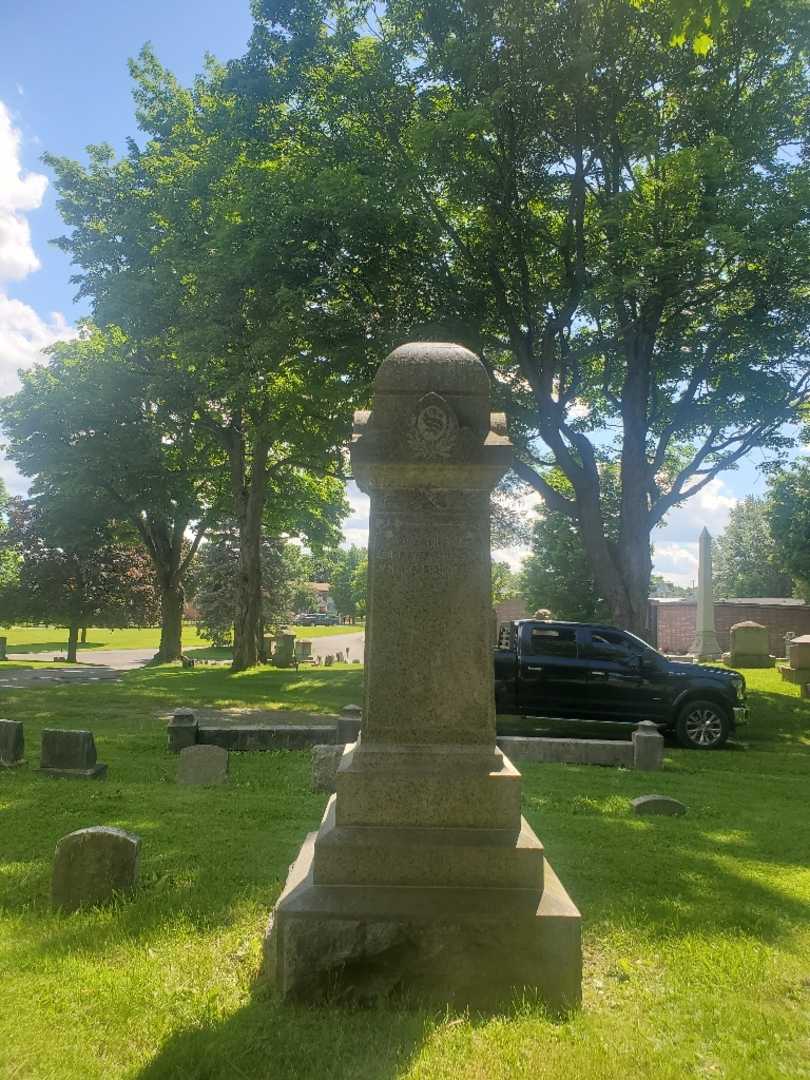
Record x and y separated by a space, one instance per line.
93 866
203 764
661 805
12 743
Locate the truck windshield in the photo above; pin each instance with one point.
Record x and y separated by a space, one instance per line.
644 646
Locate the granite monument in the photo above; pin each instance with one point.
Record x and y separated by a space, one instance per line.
424 881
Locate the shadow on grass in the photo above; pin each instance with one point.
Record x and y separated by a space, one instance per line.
53 646
778 719
266 1039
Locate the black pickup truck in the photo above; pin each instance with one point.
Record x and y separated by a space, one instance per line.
577 671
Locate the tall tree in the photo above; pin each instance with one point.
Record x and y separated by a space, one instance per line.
557 575
9 560
619 224
73 571
197 246
506 585
344 590
282 570
789 520
747 558
93 422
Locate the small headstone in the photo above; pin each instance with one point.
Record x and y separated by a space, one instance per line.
325 761
749 645
303 650
339 657
12 743
658 804
205 765
92 866
799 652
328 660
181 730
648 746
348 725
70 754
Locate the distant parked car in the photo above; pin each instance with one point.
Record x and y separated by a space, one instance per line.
316 618
574 671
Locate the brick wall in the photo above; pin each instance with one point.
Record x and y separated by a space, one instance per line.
676 623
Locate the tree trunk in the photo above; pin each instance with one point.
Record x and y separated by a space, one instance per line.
83 636
73 640
249 498
172 601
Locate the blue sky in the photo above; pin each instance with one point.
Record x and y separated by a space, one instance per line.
64 84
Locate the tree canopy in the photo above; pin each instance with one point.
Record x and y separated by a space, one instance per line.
789 520
747 560
619 224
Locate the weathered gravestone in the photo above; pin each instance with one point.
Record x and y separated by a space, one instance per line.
12 743
325 761
205 764
797 668
424 879
660 805
749 646
93 866
181 730
348 725
284 654
70 755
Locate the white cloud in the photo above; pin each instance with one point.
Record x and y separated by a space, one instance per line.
677 562
710 508
19 192
23 336
23 332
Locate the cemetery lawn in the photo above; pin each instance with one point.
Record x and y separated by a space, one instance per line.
696 929
46 638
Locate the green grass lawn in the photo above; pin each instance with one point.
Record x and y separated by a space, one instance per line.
697 947
23 639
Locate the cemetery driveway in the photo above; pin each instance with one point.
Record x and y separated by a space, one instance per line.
106 665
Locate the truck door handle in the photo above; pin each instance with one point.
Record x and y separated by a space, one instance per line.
535 667
599 674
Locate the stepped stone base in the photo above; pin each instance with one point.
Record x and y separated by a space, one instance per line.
794 675
474 947
97 772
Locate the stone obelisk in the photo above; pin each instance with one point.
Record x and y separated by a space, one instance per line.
423 879
705 646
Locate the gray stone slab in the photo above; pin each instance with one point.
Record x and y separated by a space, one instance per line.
648 747
662 805
204 765
12 743
94 866
247 737
325 761
70 755
568 751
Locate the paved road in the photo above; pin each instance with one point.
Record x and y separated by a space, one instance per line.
109 663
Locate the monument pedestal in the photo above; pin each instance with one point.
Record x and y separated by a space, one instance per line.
464 946
424 882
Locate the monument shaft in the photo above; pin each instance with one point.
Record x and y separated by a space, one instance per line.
423 878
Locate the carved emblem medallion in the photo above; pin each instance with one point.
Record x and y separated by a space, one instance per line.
433 429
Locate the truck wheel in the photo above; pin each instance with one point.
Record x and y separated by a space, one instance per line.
702 725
